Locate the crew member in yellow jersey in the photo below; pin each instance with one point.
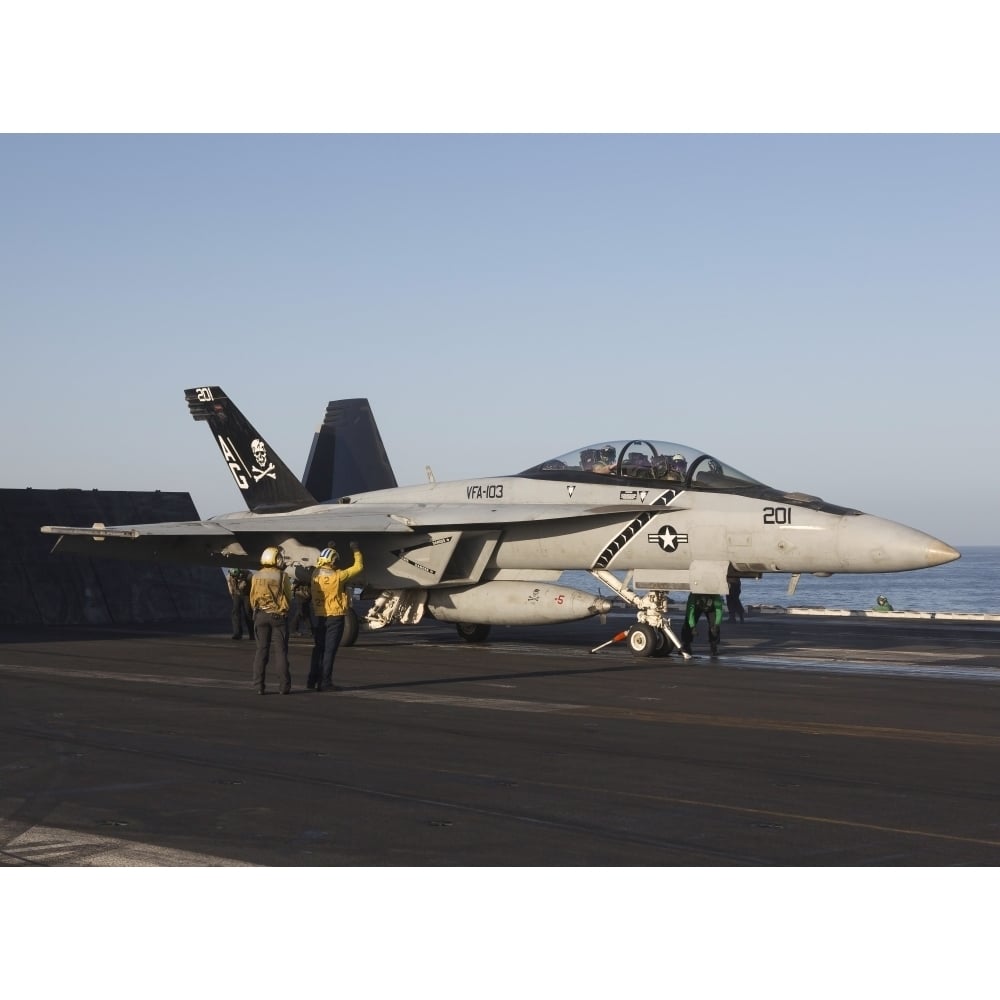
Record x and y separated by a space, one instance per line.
270 598
330 602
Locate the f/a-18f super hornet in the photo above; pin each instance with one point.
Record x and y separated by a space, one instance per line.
655 515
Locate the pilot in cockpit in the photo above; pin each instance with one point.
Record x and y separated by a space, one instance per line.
636 465
600 460
671 467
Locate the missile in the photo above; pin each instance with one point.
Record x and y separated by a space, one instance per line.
514 602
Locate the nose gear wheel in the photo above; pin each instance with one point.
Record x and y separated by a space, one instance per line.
652 634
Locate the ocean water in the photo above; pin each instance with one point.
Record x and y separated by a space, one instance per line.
970 585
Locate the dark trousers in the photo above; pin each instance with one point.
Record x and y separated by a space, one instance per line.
687 631
242 615
328 633
302 613
272 631
735 607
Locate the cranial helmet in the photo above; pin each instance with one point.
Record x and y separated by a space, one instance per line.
273 556
327 557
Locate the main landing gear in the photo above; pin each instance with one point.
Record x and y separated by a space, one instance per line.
652 634
473 633
351 628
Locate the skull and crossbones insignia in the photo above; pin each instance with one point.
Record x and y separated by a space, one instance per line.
265 468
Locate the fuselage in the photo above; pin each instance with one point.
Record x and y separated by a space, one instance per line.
680 518
656 526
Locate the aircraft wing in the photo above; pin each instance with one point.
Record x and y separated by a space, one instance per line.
203 542
99 532
369 518
217 541
346 519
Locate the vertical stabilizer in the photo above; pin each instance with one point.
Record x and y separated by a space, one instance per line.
347 453
266 483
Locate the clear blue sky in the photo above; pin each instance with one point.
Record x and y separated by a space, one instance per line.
819 311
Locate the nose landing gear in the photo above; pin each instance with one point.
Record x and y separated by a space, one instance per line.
652 634
645 640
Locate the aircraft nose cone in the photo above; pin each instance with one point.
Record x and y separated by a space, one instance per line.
939 552
874 545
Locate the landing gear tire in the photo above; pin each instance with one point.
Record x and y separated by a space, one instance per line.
642 640
351 628
664 647
473 633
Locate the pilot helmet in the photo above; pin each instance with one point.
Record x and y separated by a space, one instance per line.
607 454
678 463
273 556
327 557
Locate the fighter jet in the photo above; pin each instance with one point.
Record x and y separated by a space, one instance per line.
643 516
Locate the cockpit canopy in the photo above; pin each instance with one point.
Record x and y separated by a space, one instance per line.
640 459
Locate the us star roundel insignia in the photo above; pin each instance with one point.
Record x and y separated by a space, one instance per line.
667 538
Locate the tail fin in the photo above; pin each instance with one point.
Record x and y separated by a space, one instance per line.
347 453
265 481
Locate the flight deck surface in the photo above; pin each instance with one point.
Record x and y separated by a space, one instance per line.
808 741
